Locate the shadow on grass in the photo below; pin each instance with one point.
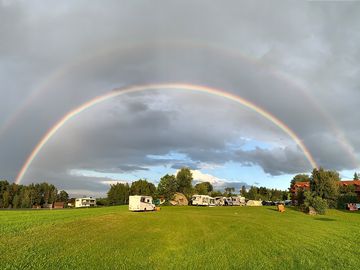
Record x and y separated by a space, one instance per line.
324 219
272 209
287 208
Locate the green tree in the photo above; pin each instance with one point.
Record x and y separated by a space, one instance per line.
317 202
325 184
243 191
216 193
184 181
63 196
118 194
356 177
167 186
102 201
142 187
26 198
203 188
6 199
253 193
229 191
16 203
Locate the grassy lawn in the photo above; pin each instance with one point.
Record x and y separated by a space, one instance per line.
178 238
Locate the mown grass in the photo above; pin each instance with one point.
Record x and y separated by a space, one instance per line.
178 238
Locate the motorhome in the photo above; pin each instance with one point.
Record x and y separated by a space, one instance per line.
212 201
238 200
141 203
85 202
202 200
227 201
219 201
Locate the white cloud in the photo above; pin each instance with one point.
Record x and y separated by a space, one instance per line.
112 182
199 176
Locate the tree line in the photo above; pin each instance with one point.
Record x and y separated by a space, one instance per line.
22 196
182 182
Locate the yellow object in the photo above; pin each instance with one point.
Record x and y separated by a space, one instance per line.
281 208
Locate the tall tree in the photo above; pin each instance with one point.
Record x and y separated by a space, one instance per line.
184 181
229 191
63 196
356 177
243 191
203 188
118 194
325 184
142 187
167 186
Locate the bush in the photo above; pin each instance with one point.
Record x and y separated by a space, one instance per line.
318 203
344 199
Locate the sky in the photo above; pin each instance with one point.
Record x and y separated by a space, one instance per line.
298 61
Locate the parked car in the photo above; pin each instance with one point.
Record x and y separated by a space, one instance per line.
288 202
268 203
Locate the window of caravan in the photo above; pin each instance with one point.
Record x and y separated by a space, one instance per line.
142 199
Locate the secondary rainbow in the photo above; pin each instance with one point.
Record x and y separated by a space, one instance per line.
129 48
162 86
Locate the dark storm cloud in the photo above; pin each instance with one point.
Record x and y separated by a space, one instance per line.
95 48
275 161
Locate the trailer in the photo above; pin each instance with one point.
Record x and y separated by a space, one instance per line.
219 201
141 203
228 201
238 200
202 200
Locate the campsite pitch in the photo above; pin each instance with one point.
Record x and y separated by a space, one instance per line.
178 238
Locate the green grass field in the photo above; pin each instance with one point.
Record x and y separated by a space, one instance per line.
178 238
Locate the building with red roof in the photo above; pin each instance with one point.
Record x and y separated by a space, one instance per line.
304 186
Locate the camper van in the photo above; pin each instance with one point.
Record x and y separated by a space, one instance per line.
228 201
202 200
219 201
238 200
141 203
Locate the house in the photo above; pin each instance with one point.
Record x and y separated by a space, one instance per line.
355 183
304 186
298 186
48 205
58 205
85 202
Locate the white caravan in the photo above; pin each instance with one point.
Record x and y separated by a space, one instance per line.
202 200
219 201
141 203
227 201
238 200
85 202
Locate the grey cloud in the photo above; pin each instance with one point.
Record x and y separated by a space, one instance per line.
299 61
275 161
